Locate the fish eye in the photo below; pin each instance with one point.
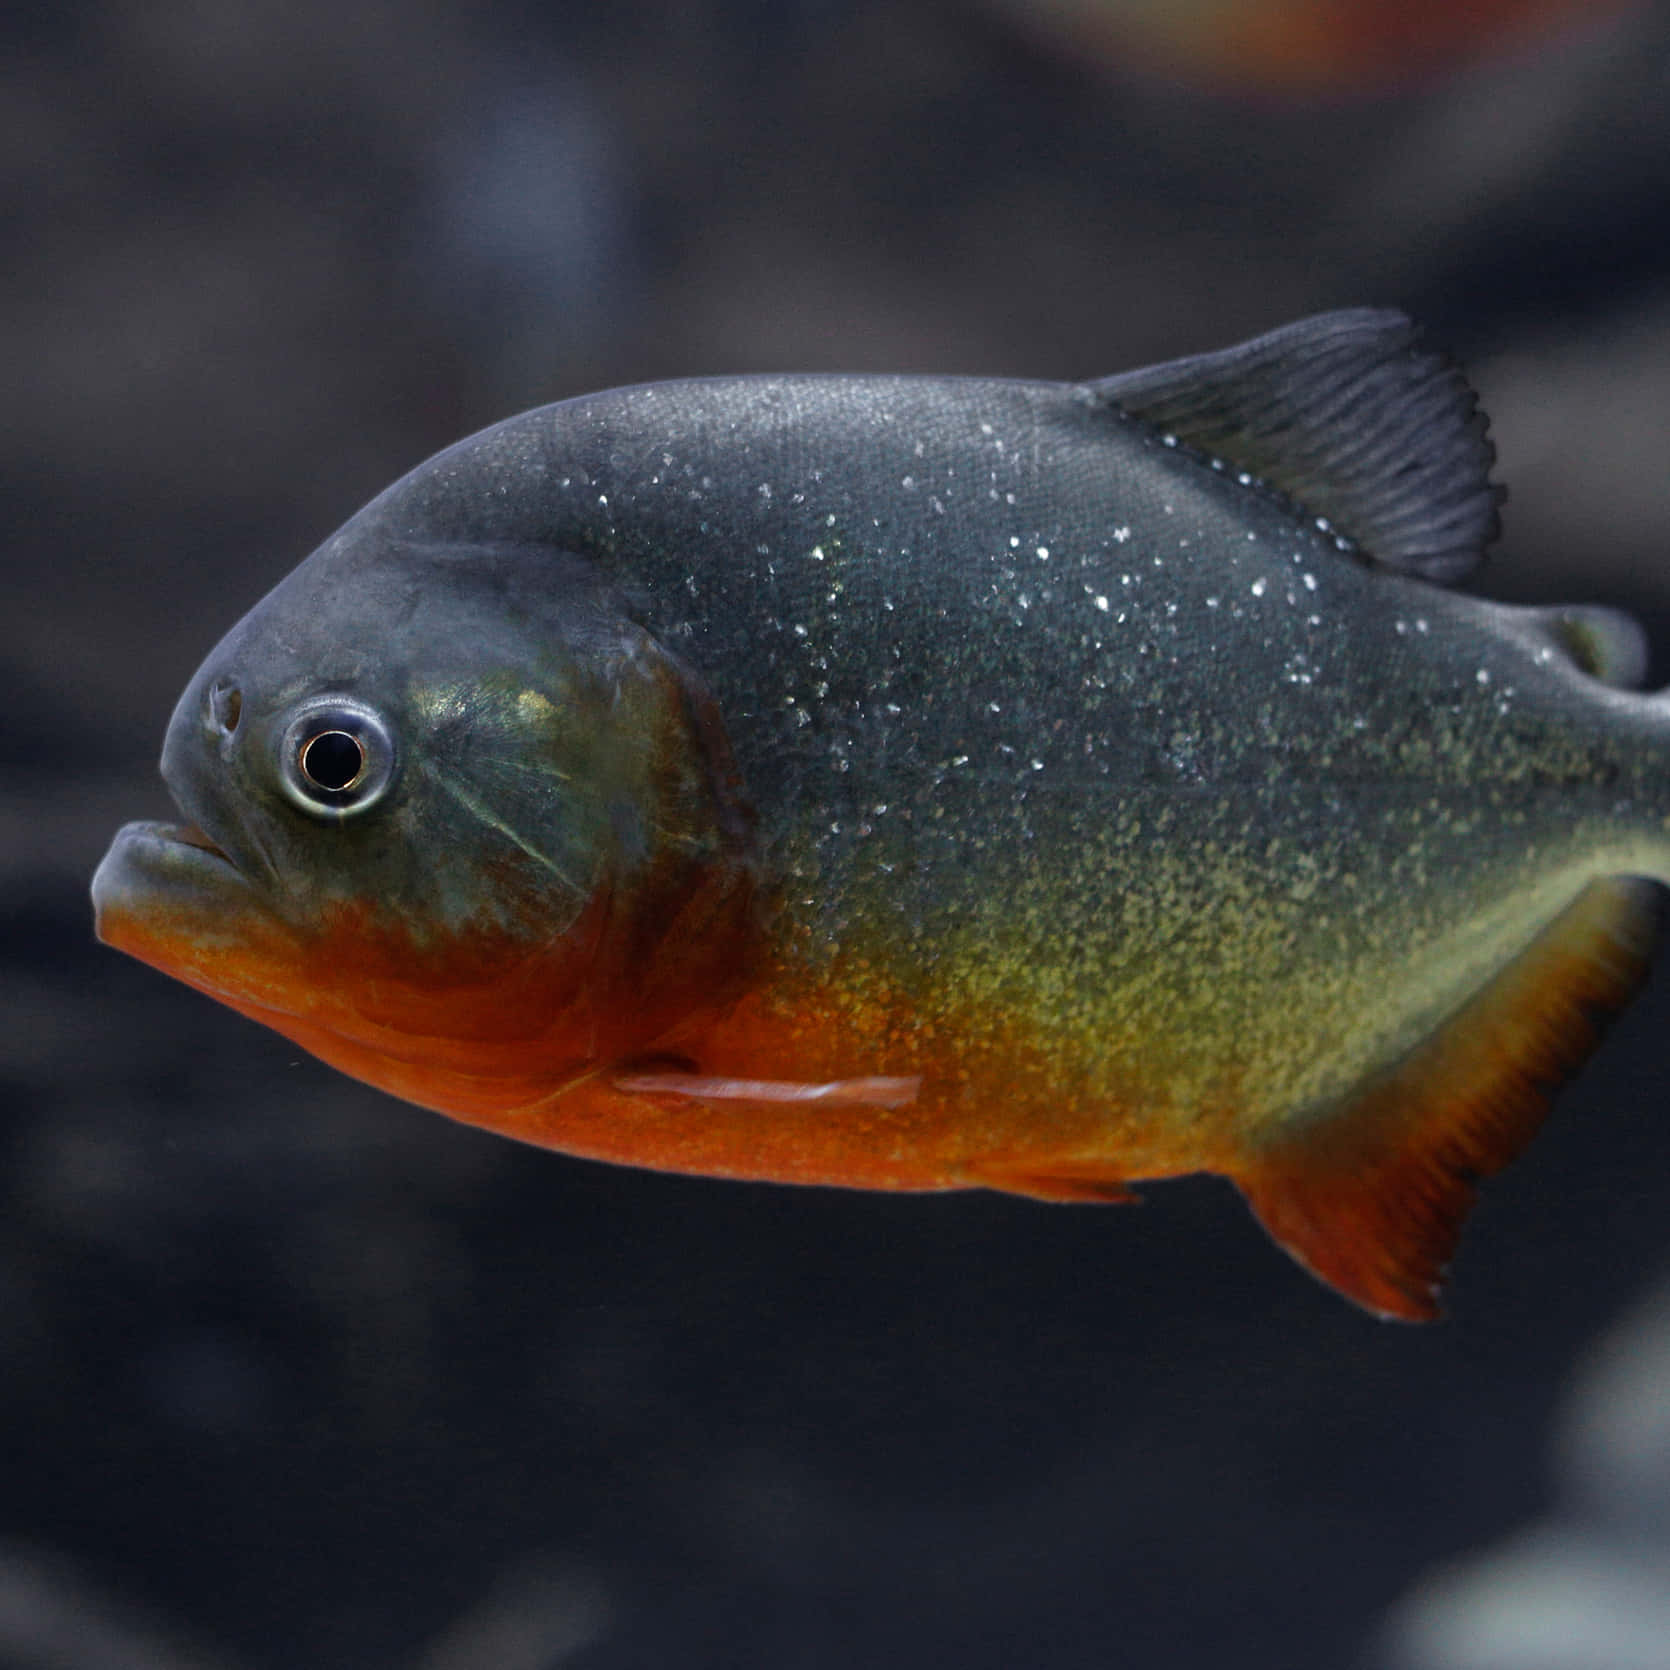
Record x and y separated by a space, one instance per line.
336 758
333 760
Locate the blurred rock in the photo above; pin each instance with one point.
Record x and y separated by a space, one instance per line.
1590 1588
52 1618
541 1613
1613 1454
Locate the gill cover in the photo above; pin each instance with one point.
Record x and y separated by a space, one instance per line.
473 816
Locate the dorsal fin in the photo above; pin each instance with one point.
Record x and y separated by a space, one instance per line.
1372 1198
1350 418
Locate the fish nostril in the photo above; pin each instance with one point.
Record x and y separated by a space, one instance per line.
226 704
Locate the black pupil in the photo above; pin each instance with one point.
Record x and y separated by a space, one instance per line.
332 760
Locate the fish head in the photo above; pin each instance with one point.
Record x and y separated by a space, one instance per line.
456 823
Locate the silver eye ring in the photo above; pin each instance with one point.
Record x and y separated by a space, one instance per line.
336 757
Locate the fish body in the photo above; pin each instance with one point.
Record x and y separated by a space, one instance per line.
919 783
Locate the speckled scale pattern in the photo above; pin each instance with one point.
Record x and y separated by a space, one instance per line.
1054 721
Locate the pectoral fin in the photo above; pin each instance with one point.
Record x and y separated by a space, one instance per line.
1371 1199
863 1092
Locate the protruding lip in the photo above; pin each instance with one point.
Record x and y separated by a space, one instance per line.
156 867
168 836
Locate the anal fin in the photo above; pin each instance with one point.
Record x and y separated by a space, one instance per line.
1371 1199
1065 1180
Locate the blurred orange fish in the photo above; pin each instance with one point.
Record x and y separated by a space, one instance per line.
1300 46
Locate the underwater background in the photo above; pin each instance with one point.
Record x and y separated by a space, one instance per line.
292 1374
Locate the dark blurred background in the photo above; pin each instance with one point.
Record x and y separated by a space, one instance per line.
293 1375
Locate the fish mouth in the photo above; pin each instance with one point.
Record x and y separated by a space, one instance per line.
167 838
188 834
159 871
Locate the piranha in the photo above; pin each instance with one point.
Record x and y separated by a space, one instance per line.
922 783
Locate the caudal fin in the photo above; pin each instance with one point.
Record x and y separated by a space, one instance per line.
1371 1198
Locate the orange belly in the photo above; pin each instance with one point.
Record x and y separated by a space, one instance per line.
987 1107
